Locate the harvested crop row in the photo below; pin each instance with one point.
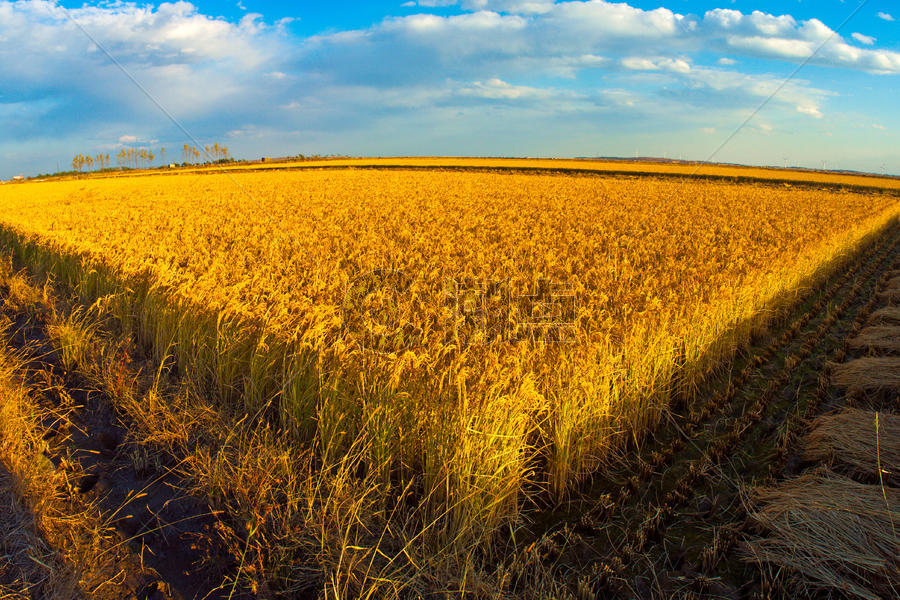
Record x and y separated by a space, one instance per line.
701 412
824 381
878 339
840 534
810 524
788 440
840 433
869 373
655 518
860 441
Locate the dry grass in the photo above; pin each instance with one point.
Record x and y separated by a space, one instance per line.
78 552
878 338
849 440
29 567
329 528
869 373
834 534
893 284
889 296
889 315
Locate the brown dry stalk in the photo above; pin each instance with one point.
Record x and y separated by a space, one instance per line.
832 533
68 537
883 338
849 439
889 296
889 315
870 373
29 567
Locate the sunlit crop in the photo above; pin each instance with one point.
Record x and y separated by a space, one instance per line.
257 284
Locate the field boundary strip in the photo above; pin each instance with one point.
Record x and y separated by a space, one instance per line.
521 169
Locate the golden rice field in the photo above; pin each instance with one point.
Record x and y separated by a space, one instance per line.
254 283
702 170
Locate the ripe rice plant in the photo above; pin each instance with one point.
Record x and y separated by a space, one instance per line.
253 291
587 166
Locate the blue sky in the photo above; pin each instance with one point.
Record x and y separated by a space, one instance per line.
441 77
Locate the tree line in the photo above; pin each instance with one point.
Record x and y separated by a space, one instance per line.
213 153
140 158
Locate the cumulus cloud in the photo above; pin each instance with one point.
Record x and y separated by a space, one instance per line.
542 58
677 65
495 34
192 63
498 89
811 110
783 37
885 16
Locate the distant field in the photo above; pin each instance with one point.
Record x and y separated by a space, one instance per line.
584 165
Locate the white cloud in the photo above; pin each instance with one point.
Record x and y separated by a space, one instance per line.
811 110
503 34
678 65
727 62
498 89
716 88
128 139
864 39
191 63
783 37
886 16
